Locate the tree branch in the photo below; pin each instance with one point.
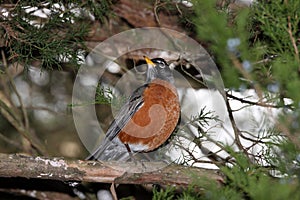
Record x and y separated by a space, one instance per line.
236 130
259 103
16 165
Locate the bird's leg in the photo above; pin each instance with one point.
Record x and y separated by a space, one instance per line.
132 158
130 152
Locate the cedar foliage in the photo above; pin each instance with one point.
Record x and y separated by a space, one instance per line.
257 47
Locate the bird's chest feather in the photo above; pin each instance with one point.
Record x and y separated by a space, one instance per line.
155 121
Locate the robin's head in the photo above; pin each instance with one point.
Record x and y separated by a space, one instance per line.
158 68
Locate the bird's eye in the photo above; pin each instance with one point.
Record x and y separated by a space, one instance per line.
161 65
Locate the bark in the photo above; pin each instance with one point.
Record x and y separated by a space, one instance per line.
12 165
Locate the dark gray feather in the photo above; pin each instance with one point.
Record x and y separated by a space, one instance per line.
134 103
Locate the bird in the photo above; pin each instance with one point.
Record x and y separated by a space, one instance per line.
147 119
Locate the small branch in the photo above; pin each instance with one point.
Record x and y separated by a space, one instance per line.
24 112
14 118
293 41
155 7
292 38
10 142
102 172
293 137
236 130
237 64
262 104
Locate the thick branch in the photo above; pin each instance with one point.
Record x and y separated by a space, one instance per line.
104 172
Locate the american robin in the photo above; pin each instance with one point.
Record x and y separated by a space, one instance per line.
147 119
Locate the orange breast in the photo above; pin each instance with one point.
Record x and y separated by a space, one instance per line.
155 121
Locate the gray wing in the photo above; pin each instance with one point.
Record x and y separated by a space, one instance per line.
108 150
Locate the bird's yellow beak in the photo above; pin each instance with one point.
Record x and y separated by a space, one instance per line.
148 61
